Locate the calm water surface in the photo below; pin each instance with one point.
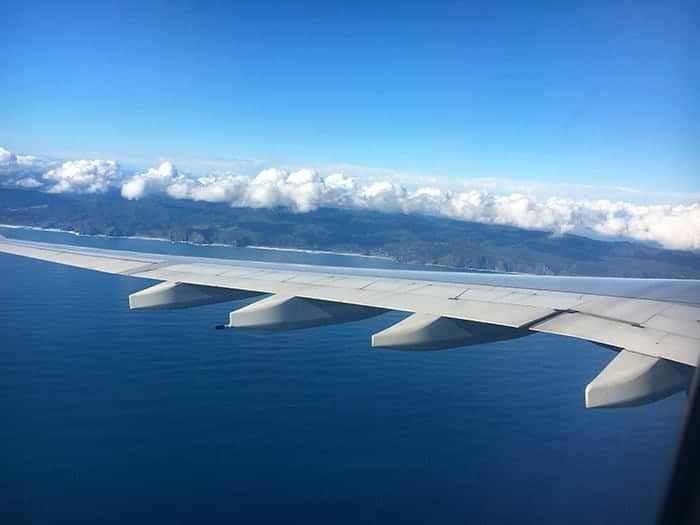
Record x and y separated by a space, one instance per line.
113 416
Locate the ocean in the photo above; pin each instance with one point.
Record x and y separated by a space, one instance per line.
118 416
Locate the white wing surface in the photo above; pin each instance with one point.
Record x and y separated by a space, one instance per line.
654 324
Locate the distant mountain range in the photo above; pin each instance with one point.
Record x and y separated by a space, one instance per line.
407 238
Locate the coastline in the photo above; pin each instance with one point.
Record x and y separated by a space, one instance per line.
192 243
251 247
320 252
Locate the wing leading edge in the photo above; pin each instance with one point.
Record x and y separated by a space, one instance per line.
653 324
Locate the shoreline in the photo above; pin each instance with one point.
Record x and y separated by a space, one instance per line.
251 247
192 243
320 252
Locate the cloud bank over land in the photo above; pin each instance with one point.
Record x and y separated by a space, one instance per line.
83 176
21 170
672 226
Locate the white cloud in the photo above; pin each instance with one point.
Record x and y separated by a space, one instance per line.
82 176
28 182
8 160
225 188
305 190
155 180
21 170
302 190
673 226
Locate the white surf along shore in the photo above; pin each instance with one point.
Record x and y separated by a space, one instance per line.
220 245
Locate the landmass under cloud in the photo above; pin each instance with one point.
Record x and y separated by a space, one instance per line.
672 226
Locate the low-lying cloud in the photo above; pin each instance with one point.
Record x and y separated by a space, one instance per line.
672 226
21 170
83 176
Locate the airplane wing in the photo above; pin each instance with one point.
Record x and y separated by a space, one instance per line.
653 324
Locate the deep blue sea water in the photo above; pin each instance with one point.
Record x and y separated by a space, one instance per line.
118 416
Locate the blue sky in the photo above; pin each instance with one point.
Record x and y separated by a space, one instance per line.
602 93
